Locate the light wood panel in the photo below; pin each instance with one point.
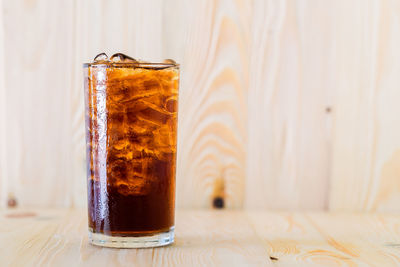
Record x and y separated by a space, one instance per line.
3 117
283 104
289 105
43 129
365 172
37 77
213 93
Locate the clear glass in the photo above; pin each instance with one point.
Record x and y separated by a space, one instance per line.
131 137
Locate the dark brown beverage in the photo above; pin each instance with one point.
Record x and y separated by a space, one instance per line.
131 128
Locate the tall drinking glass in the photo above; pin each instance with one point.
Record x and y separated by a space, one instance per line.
131 136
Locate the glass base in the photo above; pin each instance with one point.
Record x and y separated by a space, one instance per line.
156 240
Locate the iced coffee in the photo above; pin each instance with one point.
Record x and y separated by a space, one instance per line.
131 135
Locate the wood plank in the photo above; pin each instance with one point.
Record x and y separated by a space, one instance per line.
3 117
366 158
38 38
289 105
59 238
367 239
321 239
47 42
130 27
212 134
209 238
284 104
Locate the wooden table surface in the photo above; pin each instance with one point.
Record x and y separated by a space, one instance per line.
209 238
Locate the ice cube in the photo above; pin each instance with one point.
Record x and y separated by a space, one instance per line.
138 126
133 110
117 170
153 114
129 88
137 167
117 133
101 57
119 57
135 186
171 104
151 84
121 144
140 139
169 61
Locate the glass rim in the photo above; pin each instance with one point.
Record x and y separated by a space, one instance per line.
149 65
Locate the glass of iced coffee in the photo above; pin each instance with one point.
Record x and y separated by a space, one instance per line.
131 136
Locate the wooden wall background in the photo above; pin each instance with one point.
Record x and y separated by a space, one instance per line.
284 104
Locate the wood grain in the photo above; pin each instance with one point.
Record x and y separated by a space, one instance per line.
209 238
283 104
42 123
365 173
3 117
289 92
212 133
321 239
59 238
37 77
